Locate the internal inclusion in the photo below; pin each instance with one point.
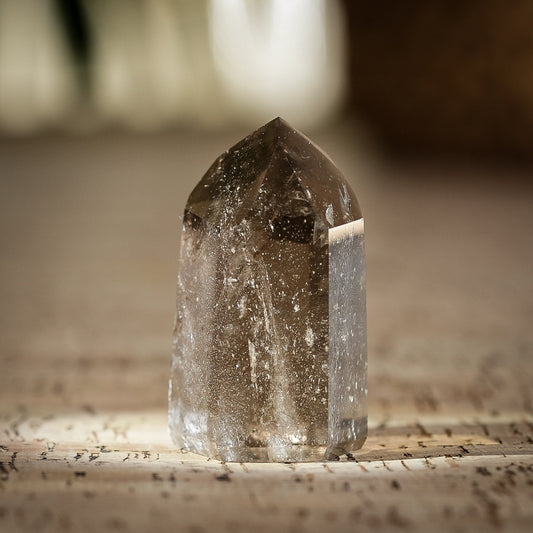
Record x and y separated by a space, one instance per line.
254 376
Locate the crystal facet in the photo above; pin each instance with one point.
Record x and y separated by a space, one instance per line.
269 360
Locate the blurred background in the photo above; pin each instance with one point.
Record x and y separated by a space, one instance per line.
75 65
420 75
111 111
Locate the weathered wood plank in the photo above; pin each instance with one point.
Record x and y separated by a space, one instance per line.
88 242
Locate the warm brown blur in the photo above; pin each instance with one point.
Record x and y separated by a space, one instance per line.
452 77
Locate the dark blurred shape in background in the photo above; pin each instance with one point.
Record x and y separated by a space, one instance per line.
73 18
444 76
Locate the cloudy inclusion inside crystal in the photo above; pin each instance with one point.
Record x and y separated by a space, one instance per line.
269 359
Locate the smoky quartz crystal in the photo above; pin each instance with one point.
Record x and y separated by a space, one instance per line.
269 360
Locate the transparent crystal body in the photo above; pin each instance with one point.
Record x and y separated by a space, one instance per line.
269 359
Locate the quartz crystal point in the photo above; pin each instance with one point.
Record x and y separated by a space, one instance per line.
269 360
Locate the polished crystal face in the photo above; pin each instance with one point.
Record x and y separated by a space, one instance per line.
269 360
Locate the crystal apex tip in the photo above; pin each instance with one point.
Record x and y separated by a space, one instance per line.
276 124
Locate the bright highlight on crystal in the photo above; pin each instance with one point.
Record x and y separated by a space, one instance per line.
269 359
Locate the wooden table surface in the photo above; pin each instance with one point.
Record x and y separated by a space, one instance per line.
88 242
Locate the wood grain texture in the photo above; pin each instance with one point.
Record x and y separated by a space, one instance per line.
88 257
